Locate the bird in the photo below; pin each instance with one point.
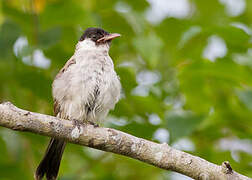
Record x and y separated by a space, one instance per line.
84 91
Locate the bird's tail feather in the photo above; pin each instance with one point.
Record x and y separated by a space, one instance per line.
51 160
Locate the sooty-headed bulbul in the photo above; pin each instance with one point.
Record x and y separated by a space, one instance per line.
84 90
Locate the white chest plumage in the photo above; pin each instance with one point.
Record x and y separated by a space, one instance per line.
89 87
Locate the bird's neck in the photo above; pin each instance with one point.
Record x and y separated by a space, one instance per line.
88 45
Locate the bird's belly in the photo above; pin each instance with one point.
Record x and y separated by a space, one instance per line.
92 92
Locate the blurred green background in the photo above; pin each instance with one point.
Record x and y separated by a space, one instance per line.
185 68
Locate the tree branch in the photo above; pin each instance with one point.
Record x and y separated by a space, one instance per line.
110 140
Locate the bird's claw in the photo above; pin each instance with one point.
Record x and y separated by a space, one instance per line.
94 124
77 123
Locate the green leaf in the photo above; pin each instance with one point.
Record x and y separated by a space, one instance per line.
182 124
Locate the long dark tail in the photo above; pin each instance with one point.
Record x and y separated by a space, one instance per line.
51 160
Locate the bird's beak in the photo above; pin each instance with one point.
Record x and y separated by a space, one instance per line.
109 37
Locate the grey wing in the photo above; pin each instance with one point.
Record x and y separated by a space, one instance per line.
56 104
56 107
70 62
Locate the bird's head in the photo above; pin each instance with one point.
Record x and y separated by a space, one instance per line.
96 38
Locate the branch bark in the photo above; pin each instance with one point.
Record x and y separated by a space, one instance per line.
111 140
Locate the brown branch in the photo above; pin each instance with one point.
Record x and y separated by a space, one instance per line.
110 140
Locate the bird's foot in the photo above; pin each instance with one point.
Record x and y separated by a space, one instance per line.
77 123
94 124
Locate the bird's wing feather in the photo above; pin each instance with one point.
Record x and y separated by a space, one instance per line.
70 62
56 105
